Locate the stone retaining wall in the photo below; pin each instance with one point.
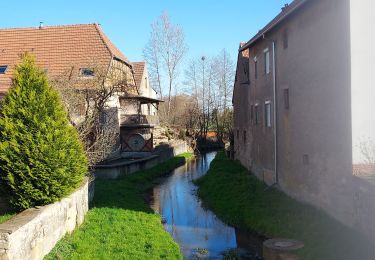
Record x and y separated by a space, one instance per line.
128 167
33 233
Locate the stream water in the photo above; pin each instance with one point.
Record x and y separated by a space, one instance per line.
200 234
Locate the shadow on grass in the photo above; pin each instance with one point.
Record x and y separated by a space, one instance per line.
241 200
127 192
120 224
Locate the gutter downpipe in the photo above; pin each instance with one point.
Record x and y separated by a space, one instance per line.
274 108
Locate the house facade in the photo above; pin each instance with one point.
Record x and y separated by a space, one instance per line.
81 57
298 102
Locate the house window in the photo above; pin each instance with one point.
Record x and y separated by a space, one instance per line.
255 67
267 61
267 114
238 134
256 114
285 39
3 69
286 98
244 137
86 72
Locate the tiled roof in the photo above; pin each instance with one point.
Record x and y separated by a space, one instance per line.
138 68
57 49
285 12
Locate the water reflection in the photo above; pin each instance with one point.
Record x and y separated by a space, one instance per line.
197 230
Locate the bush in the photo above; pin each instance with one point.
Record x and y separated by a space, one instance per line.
41 157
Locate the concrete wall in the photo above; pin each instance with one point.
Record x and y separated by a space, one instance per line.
128 167
33 233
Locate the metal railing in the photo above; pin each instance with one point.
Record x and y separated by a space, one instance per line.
138 119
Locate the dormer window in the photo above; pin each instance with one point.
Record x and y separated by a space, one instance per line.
86 72
3 69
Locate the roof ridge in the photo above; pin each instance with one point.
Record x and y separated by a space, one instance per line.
107 42
48 26
98 29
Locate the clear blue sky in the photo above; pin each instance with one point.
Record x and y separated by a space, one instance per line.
210 25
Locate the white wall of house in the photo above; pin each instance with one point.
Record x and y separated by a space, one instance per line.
147 91
363 77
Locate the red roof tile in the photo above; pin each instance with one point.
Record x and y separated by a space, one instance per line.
138 68
56 48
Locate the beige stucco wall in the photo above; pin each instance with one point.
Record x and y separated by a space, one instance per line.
314 161
33 233
147 91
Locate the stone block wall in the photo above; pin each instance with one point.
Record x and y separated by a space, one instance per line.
33 233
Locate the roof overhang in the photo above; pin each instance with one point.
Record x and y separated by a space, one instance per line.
142 99
290 9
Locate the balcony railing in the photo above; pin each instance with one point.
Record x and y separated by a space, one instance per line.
134 120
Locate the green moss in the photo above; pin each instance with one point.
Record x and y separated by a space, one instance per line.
241 200
120 225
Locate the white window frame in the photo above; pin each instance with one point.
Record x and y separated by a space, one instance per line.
267 61
268 114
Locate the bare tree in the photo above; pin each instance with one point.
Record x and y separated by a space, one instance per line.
210 81
164 52
367 150
224 78
88 102
151 54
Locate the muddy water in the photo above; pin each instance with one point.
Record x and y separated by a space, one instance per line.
197 230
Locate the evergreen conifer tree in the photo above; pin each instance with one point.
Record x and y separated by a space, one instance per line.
41 156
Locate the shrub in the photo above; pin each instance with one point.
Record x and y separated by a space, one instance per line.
41 157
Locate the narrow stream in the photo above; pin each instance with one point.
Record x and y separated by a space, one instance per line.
200 234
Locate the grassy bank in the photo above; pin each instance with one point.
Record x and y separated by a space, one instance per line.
241 200
120 225
5 217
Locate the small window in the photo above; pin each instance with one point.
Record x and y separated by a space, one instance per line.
286 98
244 136
238 134
305 159
256 115
86 72
3 69
267 114
285 39
255 68
267 61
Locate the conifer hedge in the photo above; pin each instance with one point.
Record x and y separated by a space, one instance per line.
41 156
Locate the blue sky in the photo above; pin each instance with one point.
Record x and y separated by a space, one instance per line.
210 25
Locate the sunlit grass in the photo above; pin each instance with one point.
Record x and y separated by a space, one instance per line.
120 225
241 200
6 217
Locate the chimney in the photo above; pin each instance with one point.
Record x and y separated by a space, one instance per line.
285 6
40 25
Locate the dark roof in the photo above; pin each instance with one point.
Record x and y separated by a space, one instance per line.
286 11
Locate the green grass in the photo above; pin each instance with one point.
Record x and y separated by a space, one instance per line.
6 217
120 225
241 200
